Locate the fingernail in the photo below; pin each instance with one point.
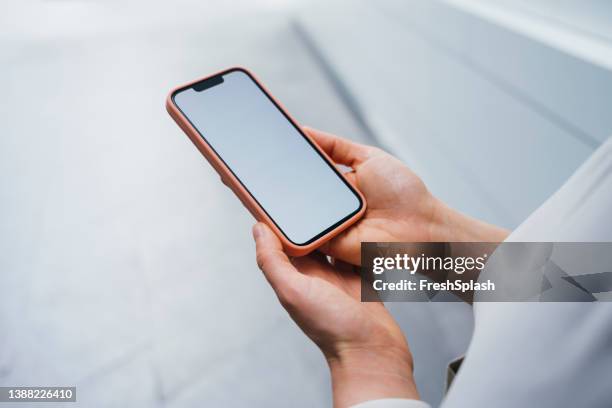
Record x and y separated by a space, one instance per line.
257 231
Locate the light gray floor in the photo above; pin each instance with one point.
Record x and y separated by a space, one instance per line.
126 267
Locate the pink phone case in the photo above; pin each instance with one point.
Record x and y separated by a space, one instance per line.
233 183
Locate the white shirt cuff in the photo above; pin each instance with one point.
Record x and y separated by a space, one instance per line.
392 403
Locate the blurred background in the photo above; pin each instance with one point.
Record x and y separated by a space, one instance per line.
126 267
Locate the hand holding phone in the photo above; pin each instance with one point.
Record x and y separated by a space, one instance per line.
275 169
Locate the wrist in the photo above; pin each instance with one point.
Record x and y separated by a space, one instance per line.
449 225
366 373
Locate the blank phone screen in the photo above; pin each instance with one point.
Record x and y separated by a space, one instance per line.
299 190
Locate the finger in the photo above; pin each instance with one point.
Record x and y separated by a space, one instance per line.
351 176
314 264
365 290
344 247
340 150
346 269
284 278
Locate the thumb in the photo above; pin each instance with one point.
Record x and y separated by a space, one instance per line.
287 282
340 150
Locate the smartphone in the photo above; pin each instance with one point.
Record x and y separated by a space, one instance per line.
281 176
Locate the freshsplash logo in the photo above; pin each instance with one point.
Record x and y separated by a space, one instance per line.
423 263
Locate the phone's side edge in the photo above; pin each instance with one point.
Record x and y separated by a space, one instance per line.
227 177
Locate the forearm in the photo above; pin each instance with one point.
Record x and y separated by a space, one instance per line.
466 237
369 374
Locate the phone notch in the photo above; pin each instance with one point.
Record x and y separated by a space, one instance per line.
208 83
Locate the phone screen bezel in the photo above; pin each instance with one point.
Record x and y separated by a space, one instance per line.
214 80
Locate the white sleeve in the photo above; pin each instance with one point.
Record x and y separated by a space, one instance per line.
547 354
392 403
